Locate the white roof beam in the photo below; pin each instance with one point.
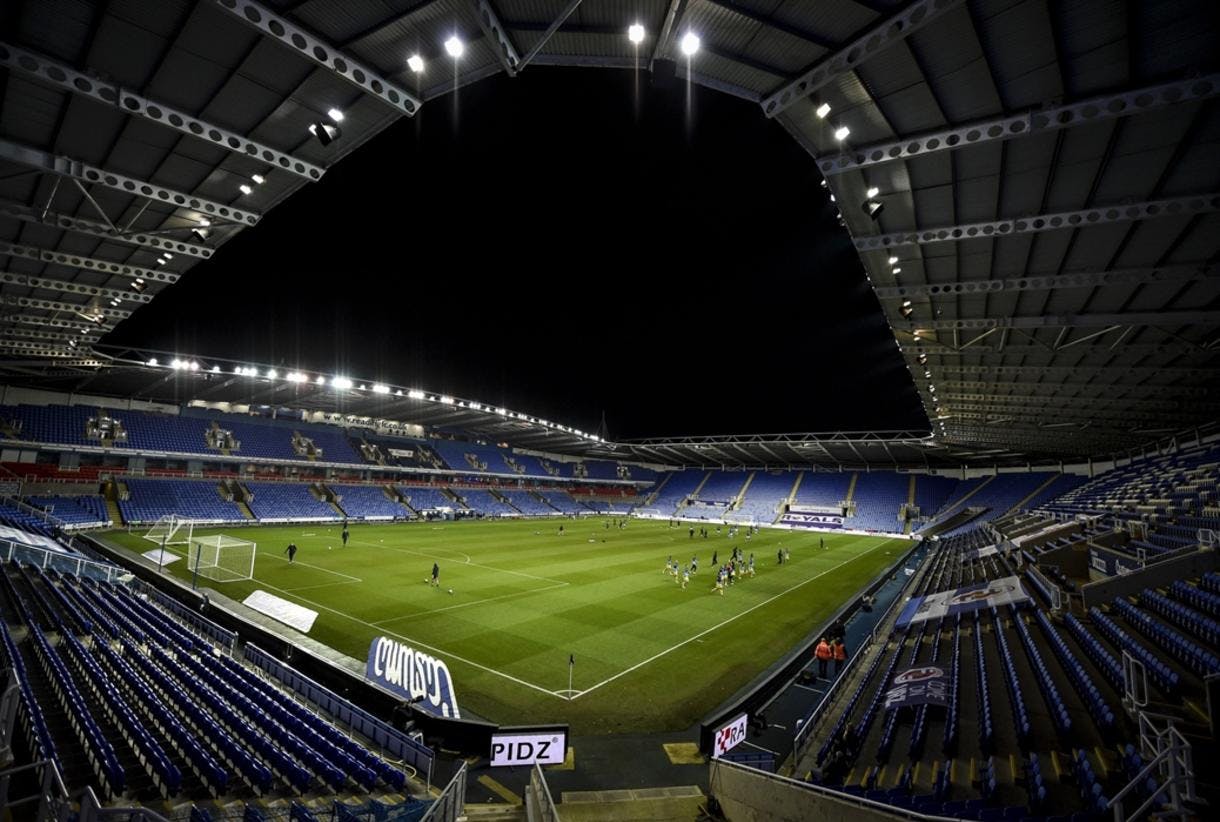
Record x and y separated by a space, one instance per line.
899 26
95 229
1040 121
45 255
490 23
1120 213
1047 282
65 287
85 173
65 78
323 53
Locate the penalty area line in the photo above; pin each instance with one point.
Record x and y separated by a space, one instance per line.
347 577
721 624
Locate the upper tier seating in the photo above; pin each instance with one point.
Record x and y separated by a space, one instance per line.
677 488
879 496
367 502
767 492
723 486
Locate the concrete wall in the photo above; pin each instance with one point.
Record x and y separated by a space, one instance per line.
1157 575
746 795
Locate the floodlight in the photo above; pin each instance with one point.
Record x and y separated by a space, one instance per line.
841 133
321 380
822 110
873 191
152 361
245 189
635 33
295 377
923 359
342 383
416 63
335 115
325 132
194 366
204 221
896 270
380 389
893 260
454 47
272 374
690 43
201 234
258 179
445 400
415 394
168 256
872 208
215 369
907 311
927 375
906 303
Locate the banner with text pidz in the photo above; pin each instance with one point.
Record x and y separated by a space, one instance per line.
924 685
412 674
991 594
812 520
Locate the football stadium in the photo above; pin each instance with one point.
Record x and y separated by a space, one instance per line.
366 368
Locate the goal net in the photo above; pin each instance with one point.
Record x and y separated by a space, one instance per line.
221 558
171 530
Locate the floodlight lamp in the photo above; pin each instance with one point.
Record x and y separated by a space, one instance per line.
320 380
415 394
194 366
380 389
152 361
72 343
200 234
872 208
872 192
258 179
416 63
342 383
690 43
454 47
215 369
245 189
635 33
822 110
335 115
896 270
272 374
398 393
326 133
445 400
841 133
906 303
893 260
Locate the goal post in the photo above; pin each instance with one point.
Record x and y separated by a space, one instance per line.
222 558
171 530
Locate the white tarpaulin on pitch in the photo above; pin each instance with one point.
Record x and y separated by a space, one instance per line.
289 613
963 600
159 556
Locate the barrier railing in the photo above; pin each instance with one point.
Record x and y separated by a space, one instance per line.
1170 759
540 805
45 558
451 804
784 782
224 638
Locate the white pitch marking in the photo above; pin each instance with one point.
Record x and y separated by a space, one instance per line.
415 642
468 562
418 614
348 577
727 621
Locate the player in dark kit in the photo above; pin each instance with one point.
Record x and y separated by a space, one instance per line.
436 575
291 551
345 534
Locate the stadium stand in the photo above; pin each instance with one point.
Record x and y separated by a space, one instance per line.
80 510
485 503
367 502
822 489
767 491
422 498
151 499
878 497
528 503
675 490
278 501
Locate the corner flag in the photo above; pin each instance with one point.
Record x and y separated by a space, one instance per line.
571 659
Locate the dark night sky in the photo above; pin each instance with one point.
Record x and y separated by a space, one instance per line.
562 254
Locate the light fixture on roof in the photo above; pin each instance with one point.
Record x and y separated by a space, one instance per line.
200 233
215 369
151 361
872 192
893 260
72 343
342 383
822 110
245 189
443 400
416 63
326 133
258 179
378 388
907 311
320 380
896 270
690 43
635 33
872 208
841 133
335 114
454 47
272 374
923 359
415 394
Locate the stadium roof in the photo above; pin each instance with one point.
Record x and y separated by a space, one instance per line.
1047 175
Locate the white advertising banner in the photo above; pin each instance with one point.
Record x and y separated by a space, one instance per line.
729 736
529 748
289 613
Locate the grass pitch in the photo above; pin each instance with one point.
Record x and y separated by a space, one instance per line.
649 655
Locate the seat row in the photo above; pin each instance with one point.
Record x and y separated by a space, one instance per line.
1199 659
1088 692
1195 623
1196 597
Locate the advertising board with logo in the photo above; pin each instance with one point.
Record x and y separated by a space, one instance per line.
412 674
729 735
529 746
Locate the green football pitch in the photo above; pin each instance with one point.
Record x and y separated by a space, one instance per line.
649 656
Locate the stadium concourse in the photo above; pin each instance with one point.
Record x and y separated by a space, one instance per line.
1026 582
